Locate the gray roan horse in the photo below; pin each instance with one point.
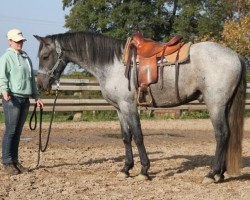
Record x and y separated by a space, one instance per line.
214 74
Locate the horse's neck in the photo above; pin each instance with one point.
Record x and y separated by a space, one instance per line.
94 70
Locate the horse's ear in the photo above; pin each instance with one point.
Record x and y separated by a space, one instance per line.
39 38
44 40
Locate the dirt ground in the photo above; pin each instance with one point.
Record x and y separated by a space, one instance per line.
83 159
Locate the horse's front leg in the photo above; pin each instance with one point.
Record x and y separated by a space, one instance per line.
138 138
130 123
127 139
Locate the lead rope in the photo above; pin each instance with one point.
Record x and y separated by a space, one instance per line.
40 146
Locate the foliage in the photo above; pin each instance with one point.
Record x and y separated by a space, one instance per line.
248 77
79 75
223 21
236 34
58 117
99 116
158 20
108 17
195 115
201 18
112 116
68 94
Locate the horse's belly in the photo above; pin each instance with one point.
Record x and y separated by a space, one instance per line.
170 97
168 93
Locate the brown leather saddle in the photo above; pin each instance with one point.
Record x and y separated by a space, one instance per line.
147 48
150 55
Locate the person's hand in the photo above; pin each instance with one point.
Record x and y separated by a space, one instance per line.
39 103
6 96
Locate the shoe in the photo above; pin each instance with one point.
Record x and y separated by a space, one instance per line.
21 168
11 169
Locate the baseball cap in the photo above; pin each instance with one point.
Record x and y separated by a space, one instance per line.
15 35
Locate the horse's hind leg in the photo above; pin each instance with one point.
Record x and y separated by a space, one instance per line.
130 124
218 115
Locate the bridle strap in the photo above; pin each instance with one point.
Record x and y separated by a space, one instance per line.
50 73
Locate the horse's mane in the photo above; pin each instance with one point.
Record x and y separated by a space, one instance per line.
96 48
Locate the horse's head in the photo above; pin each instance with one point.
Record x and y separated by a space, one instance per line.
51 62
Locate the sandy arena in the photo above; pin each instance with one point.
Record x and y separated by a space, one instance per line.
83 159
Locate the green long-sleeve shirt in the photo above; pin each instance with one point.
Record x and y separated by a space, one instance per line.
16 74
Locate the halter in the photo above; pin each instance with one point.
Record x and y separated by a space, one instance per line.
50 73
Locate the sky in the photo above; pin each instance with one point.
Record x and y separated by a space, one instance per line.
32 17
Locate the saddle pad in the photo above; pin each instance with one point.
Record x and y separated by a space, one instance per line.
183 54
127 53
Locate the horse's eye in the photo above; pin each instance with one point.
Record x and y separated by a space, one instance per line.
45 57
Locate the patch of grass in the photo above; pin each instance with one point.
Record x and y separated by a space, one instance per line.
195 115
58 117
99 116
1 118
248 76
247 113
112 116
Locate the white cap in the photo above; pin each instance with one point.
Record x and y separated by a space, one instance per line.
15 35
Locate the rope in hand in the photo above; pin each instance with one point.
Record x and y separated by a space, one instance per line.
40 146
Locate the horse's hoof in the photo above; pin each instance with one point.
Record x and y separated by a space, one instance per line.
142 177
207 181
218 178
122 175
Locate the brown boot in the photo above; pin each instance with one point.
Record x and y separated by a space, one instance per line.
21 168
11 169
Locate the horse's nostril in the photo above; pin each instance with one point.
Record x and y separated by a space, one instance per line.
39 87
39 84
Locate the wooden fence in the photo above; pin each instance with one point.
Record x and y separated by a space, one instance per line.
80 104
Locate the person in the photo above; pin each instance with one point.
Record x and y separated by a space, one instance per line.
17 84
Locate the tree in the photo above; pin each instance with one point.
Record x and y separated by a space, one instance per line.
186 19
159 20
198 18
236 34
235 31
120 18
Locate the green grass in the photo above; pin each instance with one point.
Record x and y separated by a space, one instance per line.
99 116
195 115
112 116
248 76
247 114
46 117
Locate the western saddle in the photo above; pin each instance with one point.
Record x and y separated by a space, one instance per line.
150 55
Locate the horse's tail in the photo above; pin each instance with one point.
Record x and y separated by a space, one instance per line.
236 123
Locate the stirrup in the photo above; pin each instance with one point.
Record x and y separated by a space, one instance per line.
141 93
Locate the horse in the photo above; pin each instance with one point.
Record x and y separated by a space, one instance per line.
214 74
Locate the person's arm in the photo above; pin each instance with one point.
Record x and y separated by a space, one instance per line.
4 78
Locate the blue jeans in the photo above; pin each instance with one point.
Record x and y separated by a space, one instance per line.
15 113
